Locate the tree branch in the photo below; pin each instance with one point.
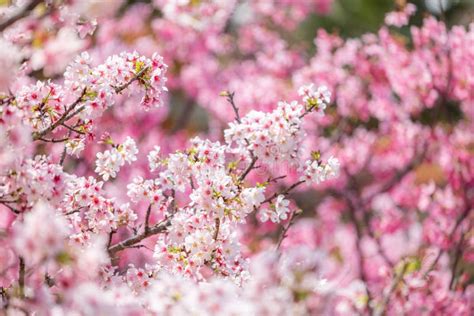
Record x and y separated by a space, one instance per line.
147 219
73 129
21 277
285 229
62 119
20 15
135 78
248 169
230 98
156 229
70 112
11 208
286 191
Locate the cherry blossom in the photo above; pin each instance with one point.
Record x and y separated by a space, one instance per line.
207 157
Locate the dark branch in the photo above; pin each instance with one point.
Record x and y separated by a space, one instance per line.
20 15
62 119
147 219
21 277
286 191
119 89
132 241
285 229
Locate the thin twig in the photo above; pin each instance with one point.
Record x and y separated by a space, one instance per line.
398 278
71 110
451 236
135 78
230 99
286 191
74 211
11 208
73 129
63 156
270 180
457 257
254 158
8 201
61 140
248 169
285 229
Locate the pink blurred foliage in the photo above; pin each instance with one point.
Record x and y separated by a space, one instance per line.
356 198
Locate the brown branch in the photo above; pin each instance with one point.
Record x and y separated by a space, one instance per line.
285 229
11 208
74 211
8 201
135 78
218 225
111 235
248 169
63 154
230 99
20 15
5 301
270 180
71 111
286 191
49 280
307 111
73 129
53 140
147 219
21 277
132 241
62 119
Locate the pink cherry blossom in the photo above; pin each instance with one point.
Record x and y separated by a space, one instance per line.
217 158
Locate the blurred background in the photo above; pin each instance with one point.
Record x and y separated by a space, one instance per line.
400 120
348 19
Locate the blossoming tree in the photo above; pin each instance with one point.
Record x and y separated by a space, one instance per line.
333 183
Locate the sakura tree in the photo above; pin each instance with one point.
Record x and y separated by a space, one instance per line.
194 157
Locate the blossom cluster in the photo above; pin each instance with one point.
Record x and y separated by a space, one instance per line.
109 162
119 196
